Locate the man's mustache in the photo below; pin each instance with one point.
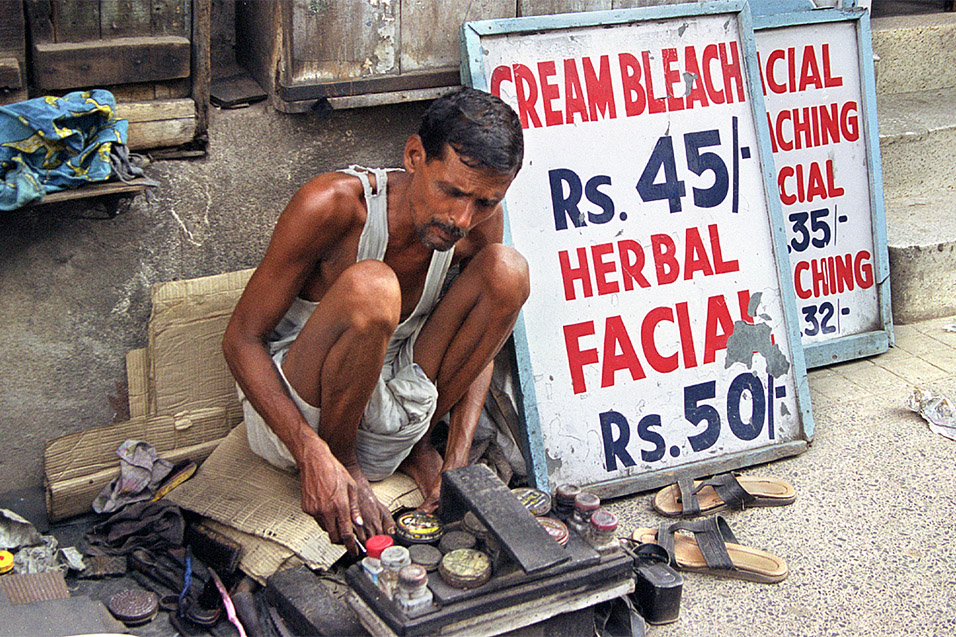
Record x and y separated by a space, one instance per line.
448 228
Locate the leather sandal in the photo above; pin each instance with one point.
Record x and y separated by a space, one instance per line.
712 548
690 498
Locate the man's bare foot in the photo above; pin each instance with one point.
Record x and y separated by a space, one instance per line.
424 465
376 518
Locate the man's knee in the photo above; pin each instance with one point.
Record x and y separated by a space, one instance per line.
504 273
372 296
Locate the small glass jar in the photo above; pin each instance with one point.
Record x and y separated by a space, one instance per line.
564 500
412 592
393 559
373 568
585 503
601 533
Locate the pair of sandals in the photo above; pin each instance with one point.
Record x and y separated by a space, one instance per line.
711 546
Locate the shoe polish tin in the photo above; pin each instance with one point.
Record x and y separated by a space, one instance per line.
416 527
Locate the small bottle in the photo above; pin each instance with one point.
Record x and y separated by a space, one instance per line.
564 500
585 503
373 568
412 592
601 532
393 559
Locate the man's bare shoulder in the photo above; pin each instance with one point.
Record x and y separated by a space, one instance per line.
328 200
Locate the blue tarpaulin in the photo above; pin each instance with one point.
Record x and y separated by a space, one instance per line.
49 144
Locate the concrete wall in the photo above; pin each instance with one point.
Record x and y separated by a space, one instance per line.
74 286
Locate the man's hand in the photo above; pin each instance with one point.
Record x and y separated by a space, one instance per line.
330 495
341 499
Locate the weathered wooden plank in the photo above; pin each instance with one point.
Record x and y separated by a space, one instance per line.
171 17
156 110
172 89
11 78
133 92
339 39
257 44
162 133
105 62
201 69
552 7
76 20
93 190
429 36
39 14
124 18
11 29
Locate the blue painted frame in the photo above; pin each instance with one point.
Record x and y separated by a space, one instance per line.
472 74
877 341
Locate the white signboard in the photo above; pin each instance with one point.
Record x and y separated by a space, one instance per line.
657 335
813 87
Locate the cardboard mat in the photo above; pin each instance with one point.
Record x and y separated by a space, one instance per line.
240 490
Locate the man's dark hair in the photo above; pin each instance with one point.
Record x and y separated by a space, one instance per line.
483 130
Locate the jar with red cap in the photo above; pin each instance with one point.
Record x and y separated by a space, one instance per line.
376 544
602 532
585 503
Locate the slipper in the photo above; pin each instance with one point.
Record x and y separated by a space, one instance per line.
713 549
689 498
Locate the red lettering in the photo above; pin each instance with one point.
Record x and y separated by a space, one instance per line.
615 334
720 266
697 93
828 80
662 364
671 77
600 89
632 270
549 93
731 70
603 268
526 92
718 316
798 271
695 256
573 94
654 104
634 98
710 56
665 261
772 59
499 75
686 336
809 72
570 274
578 358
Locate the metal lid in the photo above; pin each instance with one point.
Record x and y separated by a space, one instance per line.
473 525
457 540
465 568
604 520
395 557
412 577
537 502
134 606
416 527
378 543
425 555
565 493
6 561
557 529
587 501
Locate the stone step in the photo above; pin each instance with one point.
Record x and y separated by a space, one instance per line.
917 140
916 52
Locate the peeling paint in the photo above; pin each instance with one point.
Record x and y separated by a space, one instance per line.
681 29
748 338
689 79
784 410
554 463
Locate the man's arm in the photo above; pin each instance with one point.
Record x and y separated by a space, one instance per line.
310 225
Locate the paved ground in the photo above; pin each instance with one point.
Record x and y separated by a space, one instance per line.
871 540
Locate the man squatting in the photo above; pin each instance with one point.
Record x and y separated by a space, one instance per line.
344 350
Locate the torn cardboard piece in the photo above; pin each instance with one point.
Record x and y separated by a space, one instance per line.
76 467
187 369
237 488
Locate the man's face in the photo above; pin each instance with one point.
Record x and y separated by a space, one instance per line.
450 198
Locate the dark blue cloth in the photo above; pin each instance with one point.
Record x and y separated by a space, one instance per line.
49 144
